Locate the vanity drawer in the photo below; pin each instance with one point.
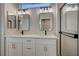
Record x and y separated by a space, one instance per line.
28 47
28 42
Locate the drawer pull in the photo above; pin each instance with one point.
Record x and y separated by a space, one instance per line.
28 40
28 48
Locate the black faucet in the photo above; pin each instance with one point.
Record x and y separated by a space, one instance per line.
22 32
45 32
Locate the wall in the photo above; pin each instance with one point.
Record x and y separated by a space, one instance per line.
34 21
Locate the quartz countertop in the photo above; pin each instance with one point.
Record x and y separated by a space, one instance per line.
33 36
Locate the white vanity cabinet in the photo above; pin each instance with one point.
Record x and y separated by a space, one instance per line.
23 46
13 47
28 47
46 47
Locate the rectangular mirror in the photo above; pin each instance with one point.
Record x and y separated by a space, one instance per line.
46 21
23 22
11 21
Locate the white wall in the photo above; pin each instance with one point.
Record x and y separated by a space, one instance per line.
34 21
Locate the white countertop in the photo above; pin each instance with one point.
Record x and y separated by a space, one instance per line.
32 36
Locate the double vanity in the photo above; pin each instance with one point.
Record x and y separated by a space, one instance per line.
21 27
31 45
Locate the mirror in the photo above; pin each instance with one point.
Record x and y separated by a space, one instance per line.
11 21
23 22
46 21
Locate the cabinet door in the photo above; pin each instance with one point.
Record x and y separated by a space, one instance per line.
14 47
40 49
50 47
28 47
46 47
